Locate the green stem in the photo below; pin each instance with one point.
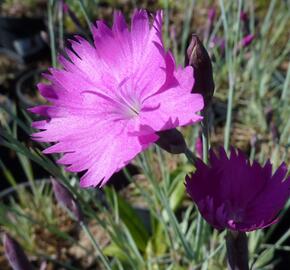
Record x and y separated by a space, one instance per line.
286 85
237 250
229 114
266 253
205 137
96 246
166 205
51 32
190 156
205 148
60 25
86 15
231 76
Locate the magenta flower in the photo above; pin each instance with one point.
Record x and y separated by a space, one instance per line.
247 40
109 99
232 193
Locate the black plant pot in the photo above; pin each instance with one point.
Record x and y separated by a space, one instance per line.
20 37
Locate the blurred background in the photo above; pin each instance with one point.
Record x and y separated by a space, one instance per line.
248 42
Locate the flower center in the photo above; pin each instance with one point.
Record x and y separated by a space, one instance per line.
134 108
236 215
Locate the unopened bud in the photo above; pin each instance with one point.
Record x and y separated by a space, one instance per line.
244 16
254 141
66 199
210 20
64 5
198 58
67 10
217 43
211 14
274 132
171 141
199 147
247 40
245 22
15 254
269 115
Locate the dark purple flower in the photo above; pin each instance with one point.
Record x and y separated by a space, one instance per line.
235 194
15 254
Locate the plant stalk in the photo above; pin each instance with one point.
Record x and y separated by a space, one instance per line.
96 246
237 250
205 148
51 32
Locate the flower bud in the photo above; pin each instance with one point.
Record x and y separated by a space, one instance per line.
67 10
217 43
245 22
66 199
247 40
211 14
210 20
198 58
199 147
64 5
244 16
171 141
274 132
254 141
269 114
15 254
244 42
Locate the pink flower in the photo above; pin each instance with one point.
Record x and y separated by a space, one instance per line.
109 99
232 193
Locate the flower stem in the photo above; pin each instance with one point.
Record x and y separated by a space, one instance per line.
96 246
205 137
85 13
51 32
190 156
205 148
237 250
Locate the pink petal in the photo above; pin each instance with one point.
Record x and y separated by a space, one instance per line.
174 107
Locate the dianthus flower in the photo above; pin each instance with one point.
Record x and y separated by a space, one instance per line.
110 99
232 193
